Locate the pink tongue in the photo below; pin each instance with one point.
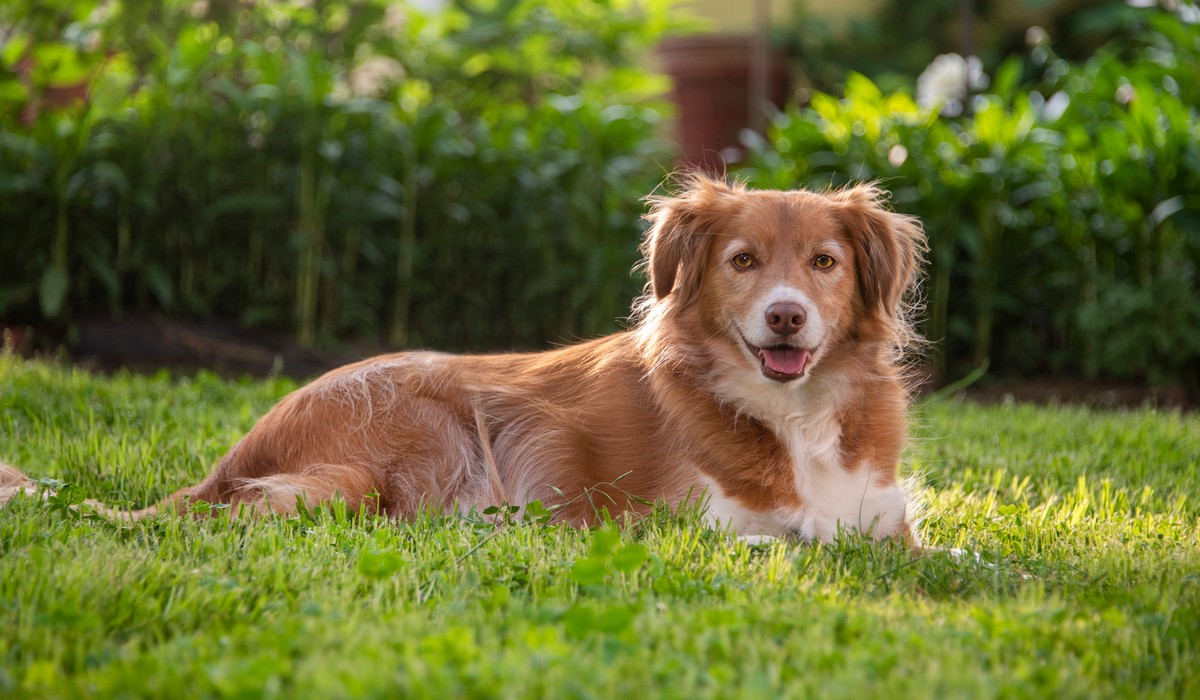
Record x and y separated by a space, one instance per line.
786 361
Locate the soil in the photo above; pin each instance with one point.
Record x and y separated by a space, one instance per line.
149 343
1098 393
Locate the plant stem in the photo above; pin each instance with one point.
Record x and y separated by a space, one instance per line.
408 241
313 194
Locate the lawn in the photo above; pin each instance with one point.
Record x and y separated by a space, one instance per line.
1086 580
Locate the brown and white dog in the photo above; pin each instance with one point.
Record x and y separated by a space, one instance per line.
762 369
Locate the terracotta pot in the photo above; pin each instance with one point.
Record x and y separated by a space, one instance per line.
50 97
713 89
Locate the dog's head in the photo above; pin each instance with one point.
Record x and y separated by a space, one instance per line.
782 280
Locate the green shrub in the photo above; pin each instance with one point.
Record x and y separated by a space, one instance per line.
1054 222
332 169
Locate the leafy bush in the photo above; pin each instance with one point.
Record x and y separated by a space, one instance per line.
1055 222
329 168
825 52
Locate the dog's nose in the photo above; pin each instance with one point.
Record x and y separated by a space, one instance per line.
786 318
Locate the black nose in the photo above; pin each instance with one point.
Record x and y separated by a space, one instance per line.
786 318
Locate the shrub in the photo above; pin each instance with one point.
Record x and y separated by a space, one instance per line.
332 168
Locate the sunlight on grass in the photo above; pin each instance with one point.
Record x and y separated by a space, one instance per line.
1082 577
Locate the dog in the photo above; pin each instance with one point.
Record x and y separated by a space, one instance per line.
763 371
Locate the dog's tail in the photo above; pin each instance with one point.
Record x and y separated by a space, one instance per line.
14 483
275 493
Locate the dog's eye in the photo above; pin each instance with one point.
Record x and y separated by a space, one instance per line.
823 262
743 261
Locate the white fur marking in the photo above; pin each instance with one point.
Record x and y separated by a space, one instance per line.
833 497
726 513
7 493
755 324
836 498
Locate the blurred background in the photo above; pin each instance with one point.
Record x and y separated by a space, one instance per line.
278 186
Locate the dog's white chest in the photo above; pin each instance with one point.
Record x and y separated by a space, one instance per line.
832 497
839 499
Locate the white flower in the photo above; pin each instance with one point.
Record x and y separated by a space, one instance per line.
374 76
1125 94
341 90
393 19
102 13
429 7
1036 36
946 81
1056 106
1188 12
1050 109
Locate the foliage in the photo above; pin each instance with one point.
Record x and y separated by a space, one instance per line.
1059 212
1085 525
329 168
824 53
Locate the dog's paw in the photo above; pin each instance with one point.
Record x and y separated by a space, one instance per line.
753 540
963 555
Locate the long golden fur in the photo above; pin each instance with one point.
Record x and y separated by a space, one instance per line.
762 367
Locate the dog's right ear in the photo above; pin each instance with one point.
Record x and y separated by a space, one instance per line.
680 234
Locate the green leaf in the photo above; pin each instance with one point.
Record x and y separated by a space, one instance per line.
379 564
12 91
52 291
13 49
588 571
243 203
112 174
616 619
1008 77
66 500
1164 209
579 621
861 86
159 283
107 276
630 558
537 513
605 540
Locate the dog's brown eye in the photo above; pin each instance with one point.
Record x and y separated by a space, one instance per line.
823 262
743 261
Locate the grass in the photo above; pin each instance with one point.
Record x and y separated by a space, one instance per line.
1087 580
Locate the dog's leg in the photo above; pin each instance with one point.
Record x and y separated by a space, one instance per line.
317 484
13 482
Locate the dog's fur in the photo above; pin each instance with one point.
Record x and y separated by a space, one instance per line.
762 369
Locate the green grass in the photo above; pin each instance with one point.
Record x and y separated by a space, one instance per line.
1087 582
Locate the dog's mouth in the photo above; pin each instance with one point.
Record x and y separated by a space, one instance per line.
781 362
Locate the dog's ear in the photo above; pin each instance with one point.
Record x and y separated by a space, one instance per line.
680 235
888 246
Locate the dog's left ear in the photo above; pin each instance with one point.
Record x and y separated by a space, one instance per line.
889 247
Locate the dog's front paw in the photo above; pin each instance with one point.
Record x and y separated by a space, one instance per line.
757 539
